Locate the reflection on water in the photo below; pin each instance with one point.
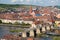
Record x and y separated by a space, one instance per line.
46 38
5 30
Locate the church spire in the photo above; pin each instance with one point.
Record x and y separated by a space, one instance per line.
30 11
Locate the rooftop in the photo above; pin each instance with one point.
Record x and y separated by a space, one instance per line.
38 15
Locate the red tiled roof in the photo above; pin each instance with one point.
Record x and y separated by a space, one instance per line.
29 38
9 16
58 16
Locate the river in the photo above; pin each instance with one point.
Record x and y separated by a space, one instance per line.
5 30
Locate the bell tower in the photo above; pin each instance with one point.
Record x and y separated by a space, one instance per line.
30 10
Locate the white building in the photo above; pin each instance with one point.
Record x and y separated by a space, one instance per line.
10 21
30 22
13 21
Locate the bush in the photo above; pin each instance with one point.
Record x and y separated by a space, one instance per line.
16 23
55 25
10 23
27 24
23 24
16 30
39 35
0 21
56 38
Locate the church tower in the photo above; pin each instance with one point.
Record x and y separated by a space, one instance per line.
30 11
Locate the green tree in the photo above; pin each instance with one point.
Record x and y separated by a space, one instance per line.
0 21
23 24
16 23
27 24
10 23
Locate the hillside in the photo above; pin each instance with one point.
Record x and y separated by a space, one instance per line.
4 7
15 5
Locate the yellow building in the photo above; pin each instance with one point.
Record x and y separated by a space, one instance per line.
57 21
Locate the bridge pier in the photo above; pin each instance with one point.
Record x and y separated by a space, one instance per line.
47 28
33 26
24 34
43 30
38 31
31 33
52 28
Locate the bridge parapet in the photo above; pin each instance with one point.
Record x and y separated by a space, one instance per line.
37 30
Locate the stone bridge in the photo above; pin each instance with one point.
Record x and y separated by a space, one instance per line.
36 30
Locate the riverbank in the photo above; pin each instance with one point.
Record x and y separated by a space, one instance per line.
5 31
12 25
12 37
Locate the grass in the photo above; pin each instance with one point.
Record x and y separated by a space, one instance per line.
16 25
16 30
56 38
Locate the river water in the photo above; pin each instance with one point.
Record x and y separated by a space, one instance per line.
5 30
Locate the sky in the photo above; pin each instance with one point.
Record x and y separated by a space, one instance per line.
32 2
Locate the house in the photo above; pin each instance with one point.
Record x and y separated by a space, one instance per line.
13 21
57 20
58 15
10 21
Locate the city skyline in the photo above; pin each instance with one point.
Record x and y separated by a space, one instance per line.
32 2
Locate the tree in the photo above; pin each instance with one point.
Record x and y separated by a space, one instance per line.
10 23
27 24
0 21
16 23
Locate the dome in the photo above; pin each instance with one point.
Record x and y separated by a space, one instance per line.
38 14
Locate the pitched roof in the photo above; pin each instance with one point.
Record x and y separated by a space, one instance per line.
58 16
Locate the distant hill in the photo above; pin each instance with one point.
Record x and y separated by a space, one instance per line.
58 7
15 5
20 5
4 7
